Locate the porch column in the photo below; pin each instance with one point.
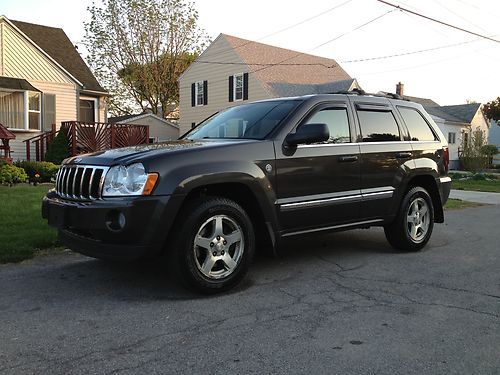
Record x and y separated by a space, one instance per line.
26 111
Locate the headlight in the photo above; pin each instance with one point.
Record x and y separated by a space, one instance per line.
131 180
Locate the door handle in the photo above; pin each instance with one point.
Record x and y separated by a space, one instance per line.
403 155
348 158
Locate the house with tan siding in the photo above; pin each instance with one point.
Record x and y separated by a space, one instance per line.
232 71
43 81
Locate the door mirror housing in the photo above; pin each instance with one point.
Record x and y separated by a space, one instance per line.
308 133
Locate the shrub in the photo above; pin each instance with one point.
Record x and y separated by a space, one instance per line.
46 170
473 158
10 174
58 149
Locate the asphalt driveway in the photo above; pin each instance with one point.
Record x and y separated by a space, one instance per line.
339 304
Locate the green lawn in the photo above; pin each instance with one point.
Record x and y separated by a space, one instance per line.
477 185
22 229
454 204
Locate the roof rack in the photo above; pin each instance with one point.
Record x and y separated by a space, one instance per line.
381 94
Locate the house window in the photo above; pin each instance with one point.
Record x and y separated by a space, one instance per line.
465 139
87 110
451 138
34 115
238 87
200 93
12 109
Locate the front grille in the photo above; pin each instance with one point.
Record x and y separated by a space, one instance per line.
80 181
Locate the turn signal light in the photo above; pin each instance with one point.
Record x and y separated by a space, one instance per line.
150 183
446 158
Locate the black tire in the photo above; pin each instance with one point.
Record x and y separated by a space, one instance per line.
198 222
412 235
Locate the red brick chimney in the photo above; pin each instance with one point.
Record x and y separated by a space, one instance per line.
400 87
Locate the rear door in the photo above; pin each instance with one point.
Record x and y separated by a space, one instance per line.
386 157
318 185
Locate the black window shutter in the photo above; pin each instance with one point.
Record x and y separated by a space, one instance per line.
245 86
193 95
205 92
193 125
231 88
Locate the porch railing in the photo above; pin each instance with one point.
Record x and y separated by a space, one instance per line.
89 137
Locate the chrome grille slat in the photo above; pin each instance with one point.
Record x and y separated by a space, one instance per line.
81 182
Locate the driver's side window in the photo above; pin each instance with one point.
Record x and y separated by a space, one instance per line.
337 121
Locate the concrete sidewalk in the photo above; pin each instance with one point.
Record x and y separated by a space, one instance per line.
476 196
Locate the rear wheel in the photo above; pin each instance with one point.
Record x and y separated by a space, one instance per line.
214 245
412 227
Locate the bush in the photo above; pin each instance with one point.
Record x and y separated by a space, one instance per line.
58 149
10 174
473 158
46 170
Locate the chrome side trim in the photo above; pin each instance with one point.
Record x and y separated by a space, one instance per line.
320 202
366 143
359 223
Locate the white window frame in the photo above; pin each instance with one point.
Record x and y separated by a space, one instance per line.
39 111
26 110
235 78
96 106
199 91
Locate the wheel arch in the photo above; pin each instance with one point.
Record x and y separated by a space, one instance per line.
429 183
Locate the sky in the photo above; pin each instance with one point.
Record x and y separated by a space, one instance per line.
467 69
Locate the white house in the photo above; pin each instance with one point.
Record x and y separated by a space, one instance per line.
455 121
233 70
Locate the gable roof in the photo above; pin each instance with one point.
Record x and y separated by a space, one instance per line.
465 112
292 67
55 43
423 101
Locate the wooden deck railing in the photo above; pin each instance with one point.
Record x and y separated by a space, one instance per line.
89 137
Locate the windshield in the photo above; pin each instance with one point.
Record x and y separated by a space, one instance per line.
249 121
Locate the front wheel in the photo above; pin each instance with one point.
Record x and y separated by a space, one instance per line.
412 227
214 245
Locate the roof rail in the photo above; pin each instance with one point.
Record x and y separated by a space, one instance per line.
381 94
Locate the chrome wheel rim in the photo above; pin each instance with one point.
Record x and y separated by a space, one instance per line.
218 247
418 219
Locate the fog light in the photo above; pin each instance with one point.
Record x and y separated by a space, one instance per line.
115 220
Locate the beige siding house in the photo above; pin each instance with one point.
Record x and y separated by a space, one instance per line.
159 129
233 70
43 81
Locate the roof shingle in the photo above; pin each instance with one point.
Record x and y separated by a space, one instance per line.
292 67
57 45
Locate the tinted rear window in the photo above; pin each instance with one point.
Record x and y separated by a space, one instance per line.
378 126
416 124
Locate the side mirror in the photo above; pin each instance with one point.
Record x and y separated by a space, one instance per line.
308 133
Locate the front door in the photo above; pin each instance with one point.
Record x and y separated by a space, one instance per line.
318 185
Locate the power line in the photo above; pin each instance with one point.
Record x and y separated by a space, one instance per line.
286 28
408 53
438 21
267 66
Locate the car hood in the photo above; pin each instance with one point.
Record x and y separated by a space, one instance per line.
127 155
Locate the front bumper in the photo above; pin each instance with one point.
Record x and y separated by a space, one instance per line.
119 228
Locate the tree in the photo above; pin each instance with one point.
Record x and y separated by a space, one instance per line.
138 49
492 109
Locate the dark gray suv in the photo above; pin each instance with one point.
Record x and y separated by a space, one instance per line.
257 173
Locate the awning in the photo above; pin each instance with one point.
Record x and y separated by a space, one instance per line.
16 84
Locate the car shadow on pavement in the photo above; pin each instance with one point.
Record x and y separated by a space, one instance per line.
150 280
